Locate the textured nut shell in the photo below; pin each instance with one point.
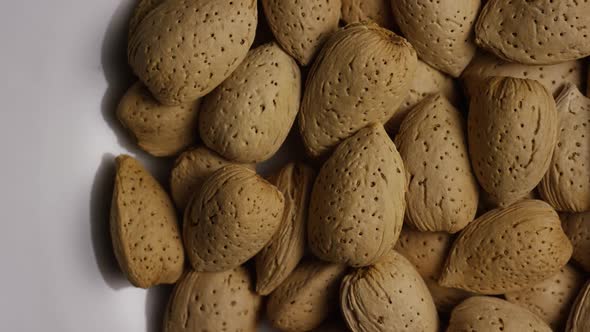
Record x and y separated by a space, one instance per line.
361 76
357 203
183 49
579 318
388 296
535 32
490 314
144 227
577 228
552 298
507 249
231 219
302 27
142 8
282 254
441 31
220 301
442 190
378 11
306 298
512 131
160 130
566 185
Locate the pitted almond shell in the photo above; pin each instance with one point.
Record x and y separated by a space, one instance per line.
142 8
378 11
577 229
579 318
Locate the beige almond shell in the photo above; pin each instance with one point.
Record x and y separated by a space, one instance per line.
357 203
361 76
213 301
307 297
442 190
282 254
142 8
535 32
231 219
566 185
183 49
579 318
441 31
507 249
248 117
512 130
577 229
491 314
144 227
388 296
552 298
378 11
158 129
302 27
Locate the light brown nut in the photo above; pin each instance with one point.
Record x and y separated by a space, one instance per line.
441 31
307 297
388 296
552 298
217 301
302 27
579 318
282 254
512 130
248 117
361 76
442 190
577 229
566 184
231 219
507 249
378 11
144 227
535 32
142 8
158 129
357 203
490 314
183 49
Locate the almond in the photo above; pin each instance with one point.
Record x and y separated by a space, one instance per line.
442 190
282 254
507 249
490 314
441 31
304 300
512 131
388 296
142 8
144 227
302 27
357 203
220 301
182 49
577 228
566 184
248 117
378 11
231 219
579 318
361 76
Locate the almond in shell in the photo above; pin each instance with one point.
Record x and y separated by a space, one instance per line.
142 8
577 228
579 318
378 11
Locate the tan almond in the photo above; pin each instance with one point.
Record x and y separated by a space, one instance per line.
508 249
357 203
361 76
231 219
144 227
577 229
378 11
142 8
579 318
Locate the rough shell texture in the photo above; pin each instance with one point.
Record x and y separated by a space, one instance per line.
552 298
307 297
512 131
579 318
144 227
378 11
361 76
183 49
142 8
357 204
388 296
441 31
250 114
535 32
442 190
566 184
490 314
508 249
577 228
220 301
302 27
231 219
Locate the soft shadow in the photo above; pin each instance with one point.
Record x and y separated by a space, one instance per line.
291 150
155 306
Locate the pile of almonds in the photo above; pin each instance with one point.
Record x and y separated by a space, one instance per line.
420 206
